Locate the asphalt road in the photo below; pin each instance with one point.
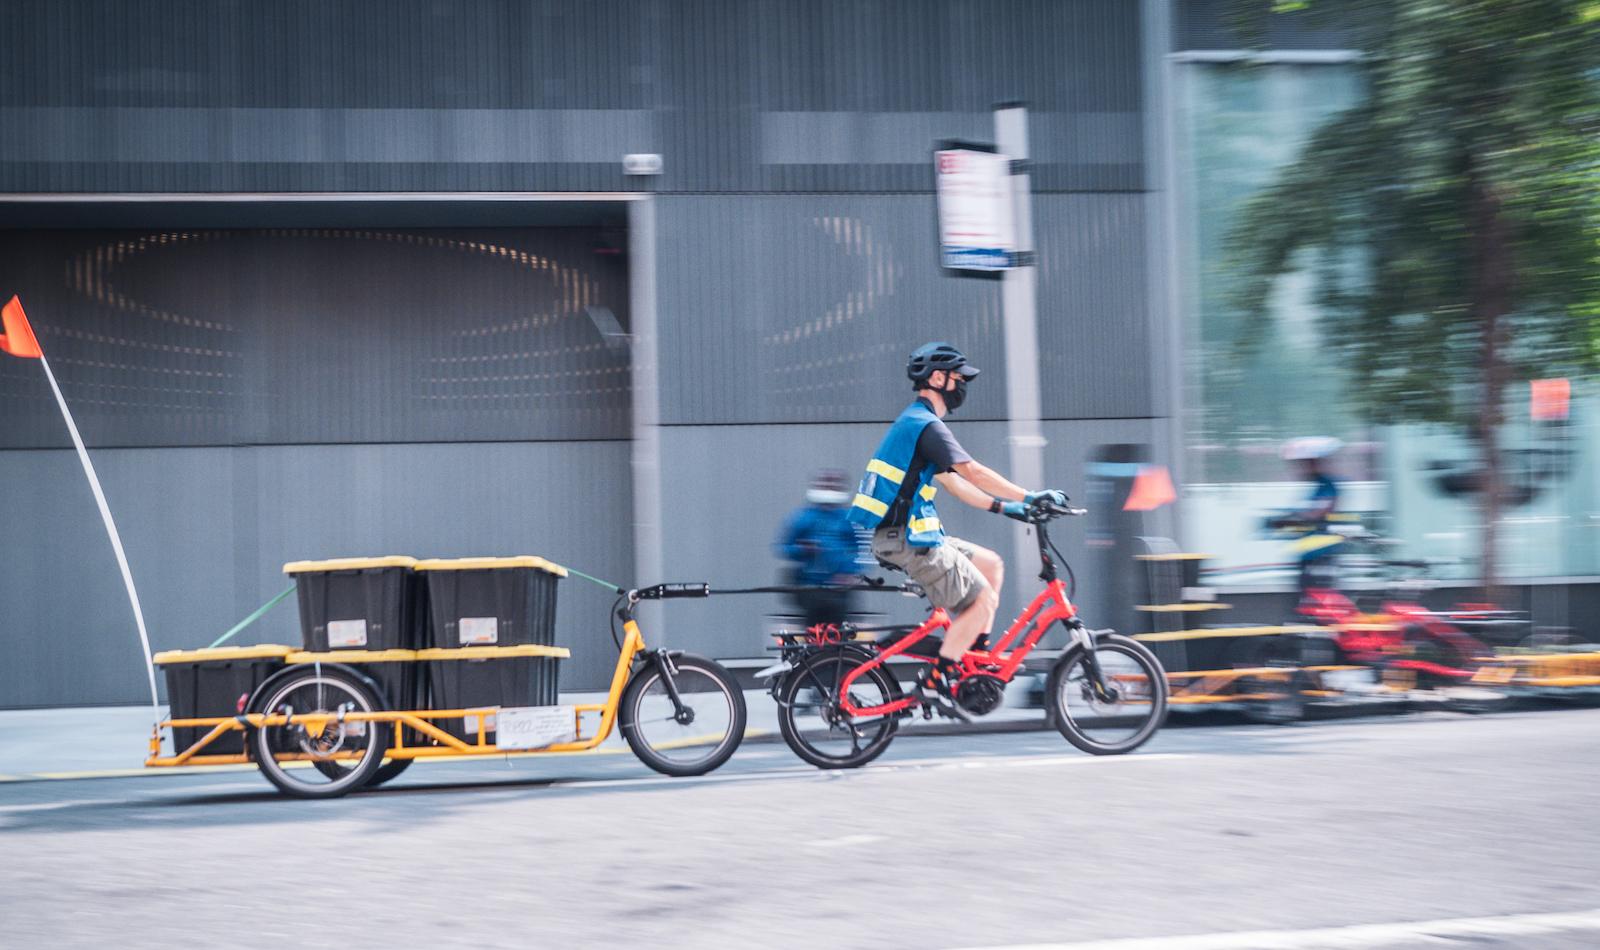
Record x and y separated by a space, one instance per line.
1426 830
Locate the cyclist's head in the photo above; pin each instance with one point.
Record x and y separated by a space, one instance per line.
830 488
1309 453
943 369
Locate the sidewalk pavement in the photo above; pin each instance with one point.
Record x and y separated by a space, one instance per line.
111 741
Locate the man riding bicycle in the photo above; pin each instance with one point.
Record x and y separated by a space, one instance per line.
895 503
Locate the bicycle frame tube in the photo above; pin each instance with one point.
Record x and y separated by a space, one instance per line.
1048 607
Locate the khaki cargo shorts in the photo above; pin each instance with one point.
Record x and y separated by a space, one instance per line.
946 572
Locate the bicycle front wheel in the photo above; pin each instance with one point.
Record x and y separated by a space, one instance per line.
1124 719
692 735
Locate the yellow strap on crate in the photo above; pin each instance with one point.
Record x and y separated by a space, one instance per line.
491 564
352 656
492 653
262 651
349 564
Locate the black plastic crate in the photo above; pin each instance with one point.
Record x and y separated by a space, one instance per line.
478 677
207 684
358 603
491 601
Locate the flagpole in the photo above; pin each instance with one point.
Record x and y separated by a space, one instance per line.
111 529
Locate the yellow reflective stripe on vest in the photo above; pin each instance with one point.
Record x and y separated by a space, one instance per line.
871 504
923 525
928 491
887 471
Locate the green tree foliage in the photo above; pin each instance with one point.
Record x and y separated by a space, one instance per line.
1455 212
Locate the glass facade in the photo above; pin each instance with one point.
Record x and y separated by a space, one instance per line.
1250 385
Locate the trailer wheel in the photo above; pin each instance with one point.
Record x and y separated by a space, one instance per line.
324 758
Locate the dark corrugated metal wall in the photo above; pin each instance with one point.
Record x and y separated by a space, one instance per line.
419 95
796 262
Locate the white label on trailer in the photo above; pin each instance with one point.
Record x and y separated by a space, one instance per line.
479 630
347 633
534 727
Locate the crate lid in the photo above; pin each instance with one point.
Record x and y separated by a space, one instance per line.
491 564
259 652
493 653
352 656
349 564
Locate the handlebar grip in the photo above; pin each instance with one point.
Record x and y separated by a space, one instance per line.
1069 510
668 591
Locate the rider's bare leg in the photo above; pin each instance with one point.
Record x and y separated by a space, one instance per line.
991 566
977 618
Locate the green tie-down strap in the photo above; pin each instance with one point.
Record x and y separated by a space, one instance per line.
614 588
260 611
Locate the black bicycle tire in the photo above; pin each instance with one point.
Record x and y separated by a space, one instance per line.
627 717
1153 669
792 735
361 773
390 769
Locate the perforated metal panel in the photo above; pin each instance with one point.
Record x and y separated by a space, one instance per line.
303 335
417 95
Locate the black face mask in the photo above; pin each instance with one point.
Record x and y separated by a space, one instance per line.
953 398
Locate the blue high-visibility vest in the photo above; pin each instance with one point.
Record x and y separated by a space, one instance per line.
887 471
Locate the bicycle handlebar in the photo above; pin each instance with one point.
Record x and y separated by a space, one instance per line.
669 591
1044 510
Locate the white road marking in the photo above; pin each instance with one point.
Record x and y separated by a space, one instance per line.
1357 937
1023 761
848 841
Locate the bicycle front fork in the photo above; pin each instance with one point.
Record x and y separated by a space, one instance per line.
1084 637
683 715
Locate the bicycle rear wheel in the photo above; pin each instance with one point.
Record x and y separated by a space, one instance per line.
1109 725
812 724
692 736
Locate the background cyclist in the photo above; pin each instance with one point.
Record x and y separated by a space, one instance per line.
1315 551
895 503
824 550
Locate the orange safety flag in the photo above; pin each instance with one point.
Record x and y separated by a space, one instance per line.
18 339
1152 488
1550 399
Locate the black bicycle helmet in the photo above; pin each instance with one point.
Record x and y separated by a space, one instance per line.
929 358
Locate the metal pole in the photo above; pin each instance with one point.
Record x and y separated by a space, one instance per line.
1019 314
648 565
1164 300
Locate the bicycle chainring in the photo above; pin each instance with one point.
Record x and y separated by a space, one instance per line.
980 694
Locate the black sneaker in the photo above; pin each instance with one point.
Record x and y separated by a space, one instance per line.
938 691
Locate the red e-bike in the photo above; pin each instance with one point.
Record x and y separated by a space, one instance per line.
839 703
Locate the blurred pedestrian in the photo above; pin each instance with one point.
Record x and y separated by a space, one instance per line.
824 549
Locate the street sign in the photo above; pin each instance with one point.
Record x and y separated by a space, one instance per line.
977 227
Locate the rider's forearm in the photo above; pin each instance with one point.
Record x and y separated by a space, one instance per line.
991 481
964 490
